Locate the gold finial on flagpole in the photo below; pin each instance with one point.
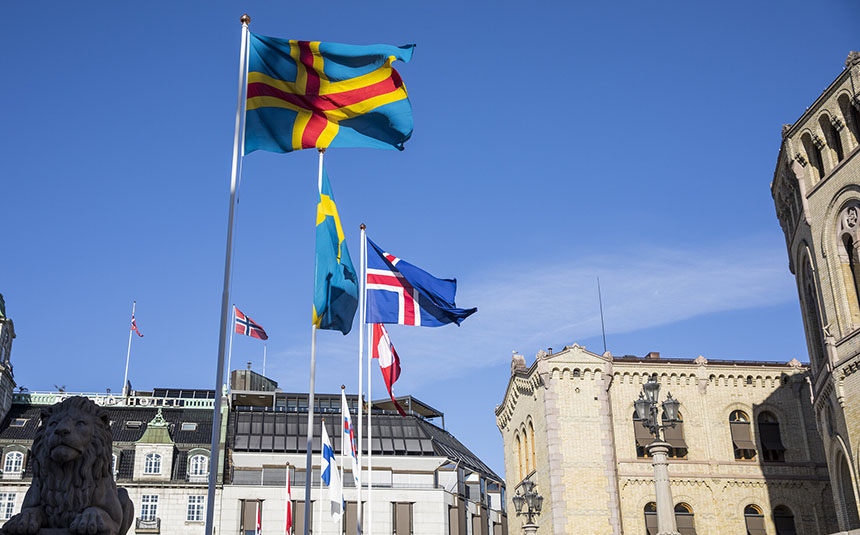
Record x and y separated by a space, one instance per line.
342 387
321 150
362 226
245 19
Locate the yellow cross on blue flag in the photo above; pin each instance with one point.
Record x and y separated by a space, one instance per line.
335 280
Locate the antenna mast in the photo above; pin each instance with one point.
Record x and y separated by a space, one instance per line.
602 326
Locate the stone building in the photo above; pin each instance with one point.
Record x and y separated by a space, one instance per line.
425 481
816 191
745 459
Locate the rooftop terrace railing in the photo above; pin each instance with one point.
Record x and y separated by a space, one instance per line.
111 400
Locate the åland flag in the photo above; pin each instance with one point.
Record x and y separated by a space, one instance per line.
306 94
335 281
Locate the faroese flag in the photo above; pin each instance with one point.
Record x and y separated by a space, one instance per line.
335 281
306 94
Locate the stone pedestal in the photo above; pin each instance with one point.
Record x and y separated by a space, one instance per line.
665 507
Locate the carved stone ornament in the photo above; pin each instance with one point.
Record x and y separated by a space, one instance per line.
73 491
837 122
818 141
851 216
785 129
518 363
541 354
700 360
800 159
852 59
794 363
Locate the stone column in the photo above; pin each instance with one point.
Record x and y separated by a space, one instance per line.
665 507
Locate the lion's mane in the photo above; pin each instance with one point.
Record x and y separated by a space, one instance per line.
67 489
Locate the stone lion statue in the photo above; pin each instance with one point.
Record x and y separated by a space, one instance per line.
73 487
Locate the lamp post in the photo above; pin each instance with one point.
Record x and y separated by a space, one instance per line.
648 413
534 503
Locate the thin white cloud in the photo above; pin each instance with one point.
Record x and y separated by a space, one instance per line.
529 305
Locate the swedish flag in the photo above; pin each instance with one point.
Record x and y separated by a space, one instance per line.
335 281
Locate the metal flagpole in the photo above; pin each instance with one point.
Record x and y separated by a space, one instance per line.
264 360
369 431
309 463
342 445
361 282
128 353
230 352
238 149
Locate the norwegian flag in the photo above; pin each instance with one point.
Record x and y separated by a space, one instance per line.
133 324
246 326
348 437
389 362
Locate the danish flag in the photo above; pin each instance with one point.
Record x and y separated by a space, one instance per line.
389 362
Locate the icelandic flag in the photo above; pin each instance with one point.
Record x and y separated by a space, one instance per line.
330 475
348 436
398 292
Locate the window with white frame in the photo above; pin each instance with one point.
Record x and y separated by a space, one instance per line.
113 465
195 508
7 505
198 465
14 462
149 507
152 463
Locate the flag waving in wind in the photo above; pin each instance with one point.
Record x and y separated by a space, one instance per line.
347 437
306 94
247 326
389 362
330 475
335 281
398 292
134 325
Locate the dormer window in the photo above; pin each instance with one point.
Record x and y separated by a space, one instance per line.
14 462
19 422
189 426
152 464
133 424
198 466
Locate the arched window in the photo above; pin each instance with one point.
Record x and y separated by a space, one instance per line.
852 120
812 312
198 465
675 437
771 443
152 463
847 238
783 519
532 436
14 462
684 519
744 447
526 452
846 491
520 458
832 137
754 520
813 154
643 436
651 518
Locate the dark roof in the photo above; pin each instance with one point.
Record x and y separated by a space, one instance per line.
286 432
119 416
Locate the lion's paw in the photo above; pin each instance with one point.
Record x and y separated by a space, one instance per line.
92 521
27 522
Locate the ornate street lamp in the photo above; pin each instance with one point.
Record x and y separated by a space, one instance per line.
532 500
649 416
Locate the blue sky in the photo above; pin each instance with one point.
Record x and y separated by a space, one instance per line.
554 143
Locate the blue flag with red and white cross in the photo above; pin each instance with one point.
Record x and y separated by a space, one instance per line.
398 292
